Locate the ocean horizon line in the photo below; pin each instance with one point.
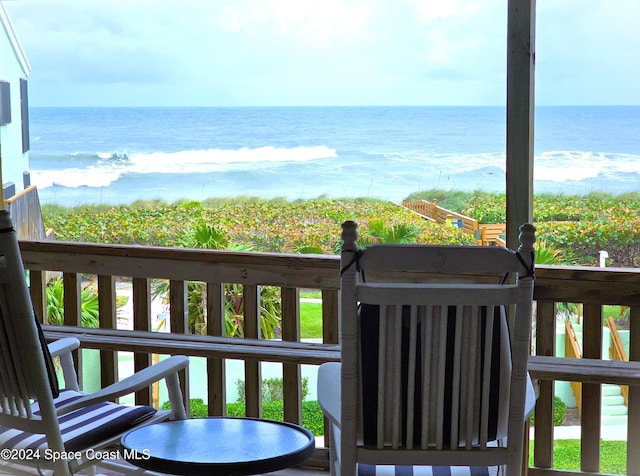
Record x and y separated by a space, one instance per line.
312 106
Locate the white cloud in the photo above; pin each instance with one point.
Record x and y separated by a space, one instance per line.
273 52
438 9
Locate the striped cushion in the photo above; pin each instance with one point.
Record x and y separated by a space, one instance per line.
369 334
82 428
387 470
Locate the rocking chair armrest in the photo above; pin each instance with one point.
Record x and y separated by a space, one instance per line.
164 369
329 392
62 348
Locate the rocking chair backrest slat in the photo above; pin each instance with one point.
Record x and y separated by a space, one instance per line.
434 389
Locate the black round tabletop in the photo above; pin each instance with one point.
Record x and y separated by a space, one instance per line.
218 445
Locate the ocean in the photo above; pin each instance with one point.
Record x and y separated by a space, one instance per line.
119 155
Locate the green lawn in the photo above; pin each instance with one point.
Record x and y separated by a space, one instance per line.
310 320
566 455
311 294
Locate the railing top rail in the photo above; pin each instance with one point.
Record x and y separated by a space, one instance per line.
558 283
144 251
198 345
297 270
588 285
584 370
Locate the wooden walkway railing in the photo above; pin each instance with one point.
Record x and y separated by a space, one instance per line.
26 214
618 352
572 350
594 287
486 234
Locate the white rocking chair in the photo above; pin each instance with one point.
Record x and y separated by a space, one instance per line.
43 428
431 380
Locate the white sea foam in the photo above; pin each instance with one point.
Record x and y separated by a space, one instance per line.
106 170
74 177
447 163
562 166
553 166
214 160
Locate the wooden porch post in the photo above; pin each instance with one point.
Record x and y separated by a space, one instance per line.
520 115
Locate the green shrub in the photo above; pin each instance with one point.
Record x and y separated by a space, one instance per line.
198 408
257 224
312 416
271 390
559 411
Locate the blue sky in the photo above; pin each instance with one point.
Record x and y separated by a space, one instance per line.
319 52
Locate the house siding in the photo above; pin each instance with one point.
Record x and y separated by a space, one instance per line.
13 68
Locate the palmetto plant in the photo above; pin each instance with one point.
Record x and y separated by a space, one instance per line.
400 234
270 310
546 254
88 304
378 231
206 236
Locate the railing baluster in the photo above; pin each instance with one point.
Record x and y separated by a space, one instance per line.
252 372
633 417
291 374
591 393
330 333
108 320
72 301
73 313
545 345
179 324
216 374
142 322
330 324
38 291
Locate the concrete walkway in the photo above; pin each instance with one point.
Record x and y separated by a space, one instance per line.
608 432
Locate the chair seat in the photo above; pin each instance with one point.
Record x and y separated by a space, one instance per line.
389 470
82 428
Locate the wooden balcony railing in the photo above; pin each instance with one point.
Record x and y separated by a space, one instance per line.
594 288
140 264
590 286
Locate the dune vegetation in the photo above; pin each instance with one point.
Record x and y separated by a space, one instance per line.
577 226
